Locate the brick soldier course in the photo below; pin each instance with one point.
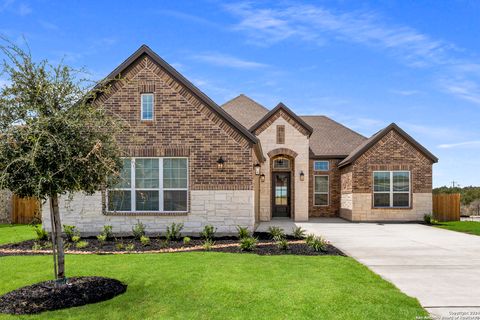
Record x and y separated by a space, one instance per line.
242 190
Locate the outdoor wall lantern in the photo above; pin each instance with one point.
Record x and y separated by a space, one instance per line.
257 169
302 176
262 177
220 163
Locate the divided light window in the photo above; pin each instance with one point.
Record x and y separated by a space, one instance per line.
280 134
151 185
320 166
147 106
391 189
320 191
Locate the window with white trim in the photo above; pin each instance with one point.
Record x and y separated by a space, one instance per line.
147 106
151 185
391 189
321 165
320 190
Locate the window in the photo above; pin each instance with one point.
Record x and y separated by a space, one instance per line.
280 134
391 189
321 165
320 192
151 185
147 106
281 163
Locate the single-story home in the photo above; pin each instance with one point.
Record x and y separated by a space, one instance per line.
191 161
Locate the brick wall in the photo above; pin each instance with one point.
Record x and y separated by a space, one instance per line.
333 208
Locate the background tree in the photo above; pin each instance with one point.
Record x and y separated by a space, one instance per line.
55 138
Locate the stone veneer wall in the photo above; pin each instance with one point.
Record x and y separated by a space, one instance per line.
5 206
298 142
333 208
225 209
392 152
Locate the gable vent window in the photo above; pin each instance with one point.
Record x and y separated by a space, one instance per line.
280 134
281 163
147 106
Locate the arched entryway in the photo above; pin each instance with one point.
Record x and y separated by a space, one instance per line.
282 168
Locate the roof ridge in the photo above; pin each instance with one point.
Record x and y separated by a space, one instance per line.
247 97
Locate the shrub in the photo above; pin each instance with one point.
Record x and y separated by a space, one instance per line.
164 243
298 233
208 244
130 247
427 218
283 244
138 230
76 239
108 232
208 232
145 241
243 232
36 246
173 231
276 233
81 244
119 246
70 232
186 241
318 244
309 238
248 243
41 233
48 245
101 239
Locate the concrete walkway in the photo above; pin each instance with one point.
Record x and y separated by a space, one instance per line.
439 267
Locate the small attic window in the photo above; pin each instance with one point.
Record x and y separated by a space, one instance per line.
146 106
281 163
280 134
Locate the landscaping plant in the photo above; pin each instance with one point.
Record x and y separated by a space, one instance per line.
41 233
242 232
145 241
186 241
70 232
138 230
66 141
81 244
174 231
101 239
248 243
76 239
283 244
208 244
318 244
298 233
309 238
276 233
130 247
208 232
107 232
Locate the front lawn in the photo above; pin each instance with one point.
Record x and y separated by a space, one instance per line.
10 233
471 227
211 285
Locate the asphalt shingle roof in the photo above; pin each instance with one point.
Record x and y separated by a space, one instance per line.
245 110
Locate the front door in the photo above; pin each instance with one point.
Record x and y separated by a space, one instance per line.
281 194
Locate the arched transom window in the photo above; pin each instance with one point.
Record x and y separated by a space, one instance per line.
281 163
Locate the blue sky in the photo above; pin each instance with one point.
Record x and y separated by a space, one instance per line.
363 63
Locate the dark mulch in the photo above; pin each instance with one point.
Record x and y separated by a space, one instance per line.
266 246
45 296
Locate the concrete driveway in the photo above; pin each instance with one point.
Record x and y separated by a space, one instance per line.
439 267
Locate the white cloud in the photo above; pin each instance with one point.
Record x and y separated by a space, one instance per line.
467 144
462 88
228 61
405 93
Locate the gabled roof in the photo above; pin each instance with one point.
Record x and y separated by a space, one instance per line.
367 144
331 139
289 112
145 50
245 110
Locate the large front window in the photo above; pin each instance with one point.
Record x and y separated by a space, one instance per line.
151 185
391 189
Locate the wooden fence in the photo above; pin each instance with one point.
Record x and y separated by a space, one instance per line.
446 207
25 210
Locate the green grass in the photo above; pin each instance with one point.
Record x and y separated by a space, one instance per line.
471 227
10 233
209 285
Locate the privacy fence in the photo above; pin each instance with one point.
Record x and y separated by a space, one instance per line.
446 207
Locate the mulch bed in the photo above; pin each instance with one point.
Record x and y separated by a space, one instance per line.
265 246
45 296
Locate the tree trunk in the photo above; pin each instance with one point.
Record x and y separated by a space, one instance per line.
57 240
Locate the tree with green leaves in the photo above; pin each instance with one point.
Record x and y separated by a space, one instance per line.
55 137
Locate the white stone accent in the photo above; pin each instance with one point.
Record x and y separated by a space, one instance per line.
225 209
296 141
362 209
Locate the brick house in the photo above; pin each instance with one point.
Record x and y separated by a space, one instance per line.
192 161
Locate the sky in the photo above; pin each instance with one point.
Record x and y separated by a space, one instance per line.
362 63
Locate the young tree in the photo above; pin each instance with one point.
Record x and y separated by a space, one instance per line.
55 138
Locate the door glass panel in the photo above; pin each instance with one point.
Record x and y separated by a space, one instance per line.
281 190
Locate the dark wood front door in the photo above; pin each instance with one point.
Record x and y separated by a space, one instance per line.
281 194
